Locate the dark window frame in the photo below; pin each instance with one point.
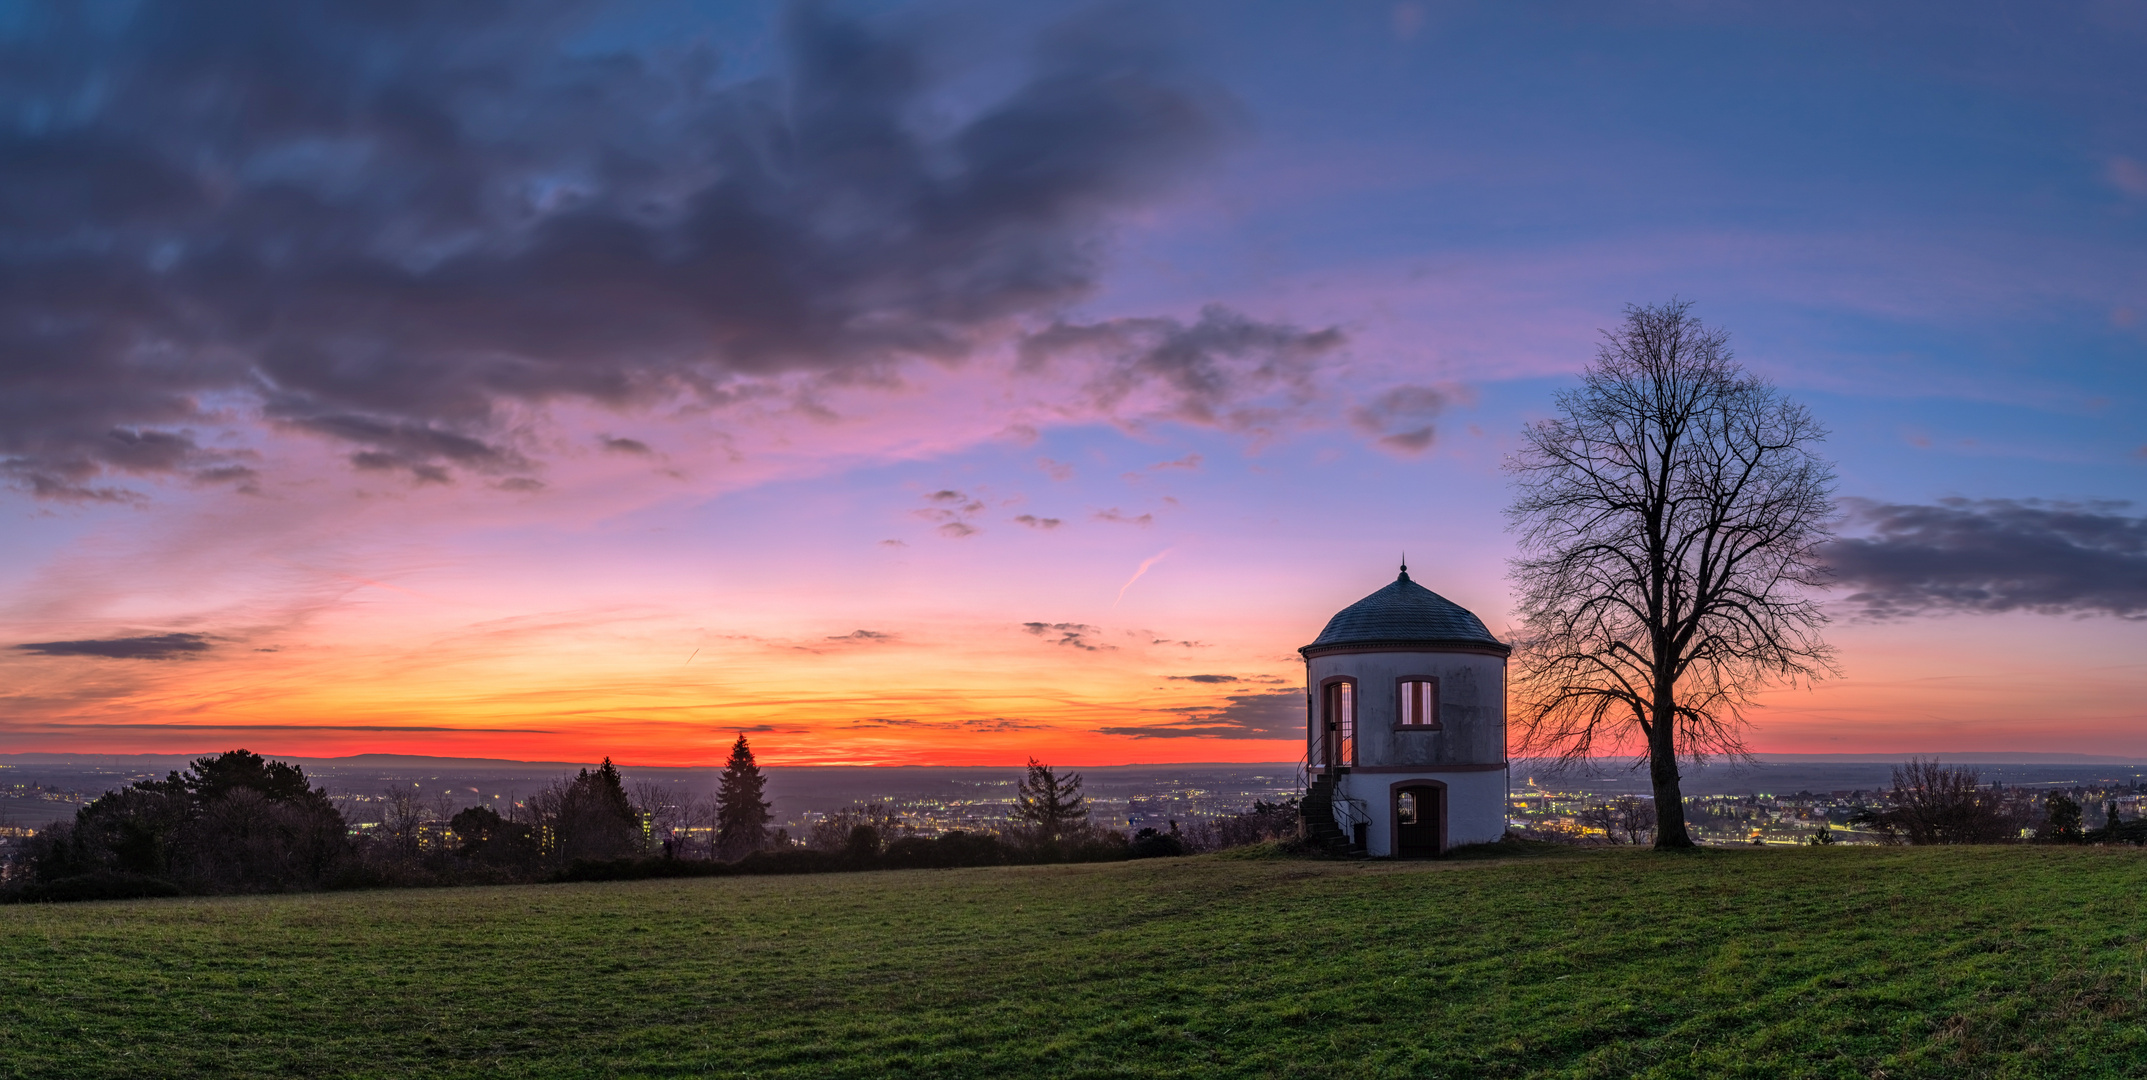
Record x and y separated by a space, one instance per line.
1436 723
1356 709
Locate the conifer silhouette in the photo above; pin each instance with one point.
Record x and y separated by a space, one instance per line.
741 811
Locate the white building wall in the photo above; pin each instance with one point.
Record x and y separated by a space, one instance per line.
1467 752
1472 706
1475 805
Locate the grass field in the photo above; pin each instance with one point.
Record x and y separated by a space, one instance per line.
1774 963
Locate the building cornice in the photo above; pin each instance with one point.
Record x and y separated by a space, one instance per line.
1481 648
1429 770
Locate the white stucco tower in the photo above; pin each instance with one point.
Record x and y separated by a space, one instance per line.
1406 732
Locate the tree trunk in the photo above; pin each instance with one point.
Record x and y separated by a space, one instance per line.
1670 832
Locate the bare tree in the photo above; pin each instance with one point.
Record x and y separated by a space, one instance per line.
832 833
666 809
1932 804
402 820
1627 819
1670 519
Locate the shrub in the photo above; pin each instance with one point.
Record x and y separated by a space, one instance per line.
96 885
835 832
944 851
1932 804
1087 844
791 861
231 823
1150 844
2117 831
642 869
2061 821
1264 823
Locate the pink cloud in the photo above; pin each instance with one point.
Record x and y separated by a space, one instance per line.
2126 175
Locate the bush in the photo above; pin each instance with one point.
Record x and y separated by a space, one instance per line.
1932 804
97 885
837 831
1150 844
791 861
1088 846
2061 821
642 869
236 822
2117 831
945 851
1266 822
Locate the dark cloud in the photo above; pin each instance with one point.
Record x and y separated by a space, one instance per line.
1077 635
953 511
1001 723
1034 522
150 647
625 446
1993 555
1182 644
1266 714
1114 514
1226 370
863 636
996 723
1401 418
1206 678
396 226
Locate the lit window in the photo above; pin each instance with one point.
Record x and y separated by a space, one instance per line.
1420 703
1405 808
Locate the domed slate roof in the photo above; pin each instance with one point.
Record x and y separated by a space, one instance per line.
1404 614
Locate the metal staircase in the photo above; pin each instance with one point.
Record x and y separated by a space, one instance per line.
1335 826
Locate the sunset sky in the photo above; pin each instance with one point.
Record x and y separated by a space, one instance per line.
954 383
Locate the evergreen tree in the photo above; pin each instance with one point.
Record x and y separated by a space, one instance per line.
741 812
593 818
1050 801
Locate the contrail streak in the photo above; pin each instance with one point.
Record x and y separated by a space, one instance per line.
689 659
1150 561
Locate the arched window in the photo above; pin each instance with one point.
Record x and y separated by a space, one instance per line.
1419 702
1338 714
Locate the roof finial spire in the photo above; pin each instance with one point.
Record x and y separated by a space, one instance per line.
1405 566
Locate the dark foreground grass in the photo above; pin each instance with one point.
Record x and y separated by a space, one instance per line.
1813 962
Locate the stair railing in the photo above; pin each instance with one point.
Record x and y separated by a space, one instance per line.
1349 813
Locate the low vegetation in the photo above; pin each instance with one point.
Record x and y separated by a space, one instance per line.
239 823
1824 962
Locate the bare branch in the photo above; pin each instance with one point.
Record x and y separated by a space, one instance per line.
1670 519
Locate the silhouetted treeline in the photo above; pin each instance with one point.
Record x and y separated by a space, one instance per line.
239 823
233 823
1929 803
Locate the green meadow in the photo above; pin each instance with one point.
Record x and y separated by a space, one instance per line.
1827 962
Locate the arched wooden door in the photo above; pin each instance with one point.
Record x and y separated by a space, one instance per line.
1418 828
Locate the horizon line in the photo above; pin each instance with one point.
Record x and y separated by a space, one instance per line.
1985 757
